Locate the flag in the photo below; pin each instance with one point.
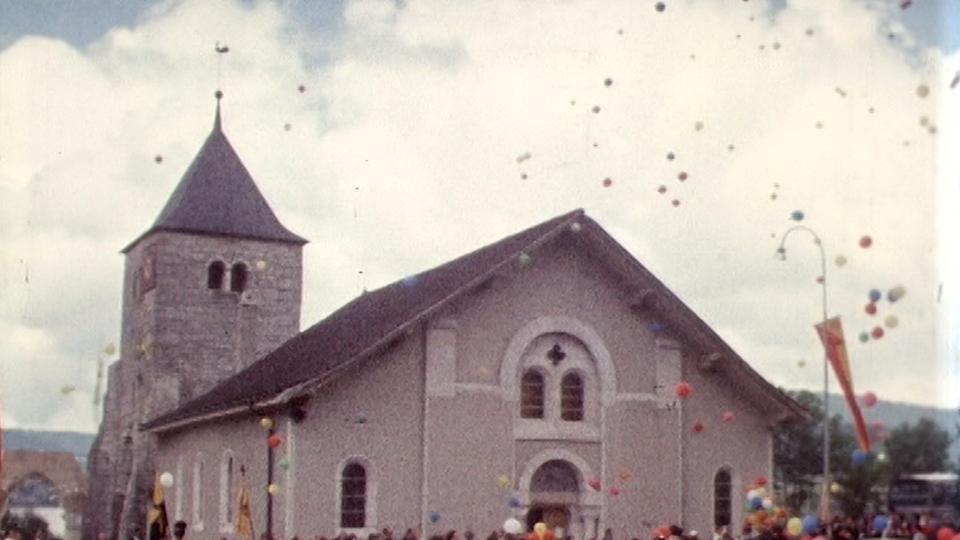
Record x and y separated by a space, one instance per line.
244 522
831 334
159 525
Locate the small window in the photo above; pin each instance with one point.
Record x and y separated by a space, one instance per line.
238 277
571 398
226 491
215 273
722 498
531 390
198 493
353 497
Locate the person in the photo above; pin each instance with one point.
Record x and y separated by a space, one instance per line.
179 529
137 534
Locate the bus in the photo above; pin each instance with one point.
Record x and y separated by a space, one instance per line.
936 494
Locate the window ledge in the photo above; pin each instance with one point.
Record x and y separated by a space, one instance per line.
548 431
358 532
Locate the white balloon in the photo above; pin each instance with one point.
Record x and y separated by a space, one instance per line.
166 479
512 526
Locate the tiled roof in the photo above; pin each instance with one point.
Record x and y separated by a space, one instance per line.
364 323
217 196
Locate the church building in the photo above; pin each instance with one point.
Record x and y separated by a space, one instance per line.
547 377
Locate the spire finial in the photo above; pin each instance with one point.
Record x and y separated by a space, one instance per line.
216 121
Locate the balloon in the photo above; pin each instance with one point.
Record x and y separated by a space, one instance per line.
283 463
540 528
67 388
266 422
596 109
880 523
864 337
607 182
768 504
434 517
801 363
675 202
512 526
166 480
302 88
661 6
760 481
869 399
794 526
835 488
158 158
752 494
614 490
523 258
728 416
756 503
682 176
877 332
840 261
866 241
110 349
661 532
670 155
946 533
797 215
875 295
261 265
859 457
684 389
662 189
698 126
699 427
923 91
273 489
503 481
870 309
594 482
274 441
810 524
608 82
625 475
514 502
891 321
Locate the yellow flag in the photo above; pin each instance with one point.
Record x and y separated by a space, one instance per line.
244 521
159 525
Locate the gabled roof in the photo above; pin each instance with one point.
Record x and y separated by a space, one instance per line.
377 318
217 196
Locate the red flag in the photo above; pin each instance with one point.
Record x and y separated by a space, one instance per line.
831 334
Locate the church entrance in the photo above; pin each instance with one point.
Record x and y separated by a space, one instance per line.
556 517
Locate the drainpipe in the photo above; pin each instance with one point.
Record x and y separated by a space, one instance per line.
269 530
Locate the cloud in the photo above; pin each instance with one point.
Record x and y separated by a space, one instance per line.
401 153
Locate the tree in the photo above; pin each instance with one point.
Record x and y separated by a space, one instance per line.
917 448
797 448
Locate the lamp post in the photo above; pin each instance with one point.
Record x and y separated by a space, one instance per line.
782 255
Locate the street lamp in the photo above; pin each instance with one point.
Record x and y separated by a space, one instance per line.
782 255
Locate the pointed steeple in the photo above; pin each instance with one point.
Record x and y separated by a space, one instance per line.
217 196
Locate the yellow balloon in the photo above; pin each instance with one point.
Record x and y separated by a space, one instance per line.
67 388
503 481
794 526
540 528
273 489
835 488
840 261
266 422
109 349
891 321
801 363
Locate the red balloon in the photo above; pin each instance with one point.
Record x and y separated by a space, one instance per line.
870 399
871 308
728 416
661 532
682 176
877 332
594 482
607 182
761 481
274 441
699 427
946 533
866 242
614 490
684 389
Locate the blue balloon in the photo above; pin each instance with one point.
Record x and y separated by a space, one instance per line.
875 295
859 457
810 524
892 296
880 523
514 502
797 215
756 503
434 517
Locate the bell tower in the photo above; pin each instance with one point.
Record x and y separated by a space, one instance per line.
212 286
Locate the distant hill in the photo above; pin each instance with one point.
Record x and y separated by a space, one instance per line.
49 441
893 414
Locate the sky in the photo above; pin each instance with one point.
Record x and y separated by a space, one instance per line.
428 128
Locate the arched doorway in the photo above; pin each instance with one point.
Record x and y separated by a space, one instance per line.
554 492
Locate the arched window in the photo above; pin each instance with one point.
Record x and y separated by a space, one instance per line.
238 277
353 496
722 498
531 395
571 397
198 493
215 273
226 492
